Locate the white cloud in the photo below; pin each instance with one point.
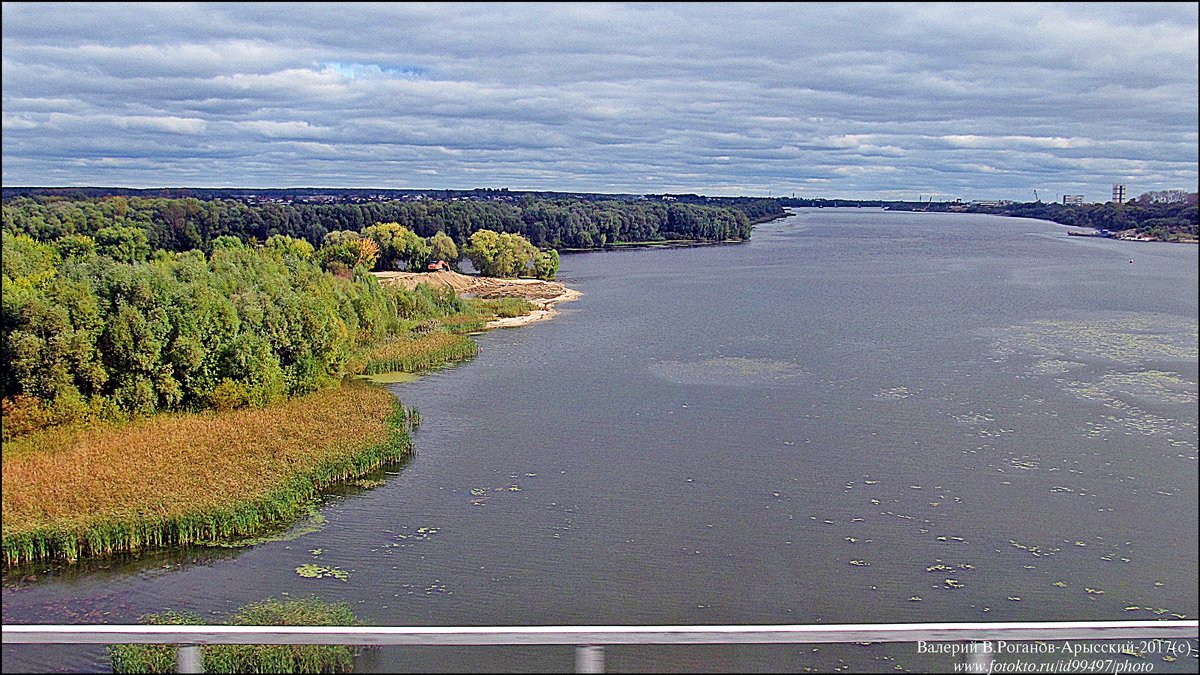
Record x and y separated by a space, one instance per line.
849 99
167 124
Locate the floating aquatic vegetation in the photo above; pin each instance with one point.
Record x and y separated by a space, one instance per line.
1037 551
943 567
1053 366
1130 346
311 571
894 394
1125 338
437 587
973 418
421 534
1155 386
394 377
368 483
1094 591
1025 464
734 371
316 551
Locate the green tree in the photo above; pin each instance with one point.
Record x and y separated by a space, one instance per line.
126 244
227 242
500 254
442 247
398 244
283 247
75 246
546 265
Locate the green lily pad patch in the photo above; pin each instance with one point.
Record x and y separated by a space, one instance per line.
311 571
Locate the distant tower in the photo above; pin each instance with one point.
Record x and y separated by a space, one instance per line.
1118 193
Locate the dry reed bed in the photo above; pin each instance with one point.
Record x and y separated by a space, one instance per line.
190 478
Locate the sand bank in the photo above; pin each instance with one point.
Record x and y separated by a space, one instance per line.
546 295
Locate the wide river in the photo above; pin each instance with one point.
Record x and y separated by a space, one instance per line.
858 416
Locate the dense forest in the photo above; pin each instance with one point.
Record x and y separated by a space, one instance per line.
183 224
89 336
1169 215
1162 221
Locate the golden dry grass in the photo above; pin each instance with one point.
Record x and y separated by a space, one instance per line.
177 479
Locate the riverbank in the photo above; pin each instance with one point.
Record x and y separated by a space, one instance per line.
193 478
203 478
659 243
1134 235
544 296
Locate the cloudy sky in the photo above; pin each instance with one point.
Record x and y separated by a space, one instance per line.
824 100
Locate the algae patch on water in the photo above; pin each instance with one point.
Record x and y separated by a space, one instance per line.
728 371
391 378
1122 338
1117 361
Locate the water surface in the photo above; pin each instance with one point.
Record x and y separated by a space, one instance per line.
858 416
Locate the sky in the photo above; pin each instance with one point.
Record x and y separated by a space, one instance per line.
897 101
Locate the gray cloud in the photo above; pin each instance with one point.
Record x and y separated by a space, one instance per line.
959 100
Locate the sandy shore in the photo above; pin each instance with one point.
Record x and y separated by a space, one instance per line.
545 295
546 309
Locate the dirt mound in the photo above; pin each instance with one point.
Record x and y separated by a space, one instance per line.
459 282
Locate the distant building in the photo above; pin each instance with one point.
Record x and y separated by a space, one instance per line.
1073 200
1118 194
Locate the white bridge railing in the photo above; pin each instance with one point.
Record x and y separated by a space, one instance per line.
590 640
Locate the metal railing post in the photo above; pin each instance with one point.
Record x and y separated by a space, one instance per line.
589 659
189 659
980 658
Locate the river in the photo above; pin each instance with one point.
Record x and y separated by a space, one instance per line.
858 416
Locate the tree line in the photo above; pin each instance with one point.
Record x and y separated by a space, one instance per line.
1160 219
185 224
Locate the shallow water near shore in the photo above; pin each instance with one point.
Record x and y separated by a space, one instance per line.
856 417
